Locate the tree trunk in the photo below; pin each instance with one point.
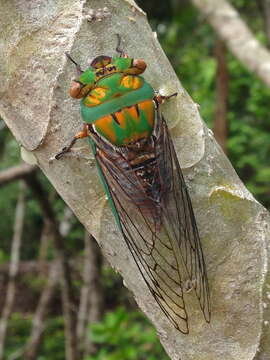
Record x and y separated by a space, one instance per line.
92 292
220 127
44 242
265 7
233 226
68 301
38 323
237 36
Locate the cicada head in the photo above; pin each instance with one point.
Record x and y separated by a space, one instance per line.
105 65
102 66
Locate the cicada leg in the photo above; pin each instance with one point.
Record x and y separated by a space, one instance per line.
160 99
118 49
78 67
82 134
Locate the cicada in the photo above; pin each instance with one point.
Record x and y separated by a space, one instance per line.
143 180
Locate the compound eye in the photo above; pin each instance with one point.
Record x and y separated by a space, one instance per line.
139 64
101 61
75 89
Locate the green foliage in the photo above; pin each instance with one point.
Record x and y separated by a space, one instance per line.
189 43
18 332
192 60
9 157
249 141
115 292
125 335
53 346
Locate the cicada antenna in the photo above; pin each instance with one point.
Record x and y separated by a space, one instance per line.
118 48
78 67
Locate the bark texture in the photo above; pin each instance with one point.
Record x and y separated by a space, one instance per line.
235 33
234 228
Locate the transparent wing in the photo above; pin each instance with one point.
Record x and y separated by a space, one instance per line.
159 228
179 220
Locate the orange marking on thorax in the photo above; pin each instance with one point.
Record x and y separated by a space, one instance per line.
131 82
148 107
104 124
137 83
92 101
99 92
96 96
126 81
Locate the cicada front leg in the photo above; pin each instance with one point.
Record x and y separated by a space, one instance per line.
82 134
160 99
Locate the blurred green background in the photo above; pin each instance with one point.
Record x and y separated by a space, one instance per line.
123 332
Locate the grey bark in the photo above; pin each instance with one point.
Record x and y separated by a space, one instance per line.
235 33
233 226
14 266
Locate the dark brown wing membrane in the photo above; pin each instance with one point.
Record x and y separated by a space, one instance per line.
159 228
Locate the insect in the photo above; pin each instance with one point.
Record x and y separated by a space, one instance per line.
142 178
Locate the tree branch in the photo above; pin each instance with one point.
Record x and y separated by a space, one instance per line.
264 6
16 172
31 348
26 267
44 242
14 266
237 36
220 126
38 323
92 294
68 302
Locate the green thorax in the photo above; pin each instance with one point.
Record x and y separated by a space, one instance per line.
112 86
112 90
